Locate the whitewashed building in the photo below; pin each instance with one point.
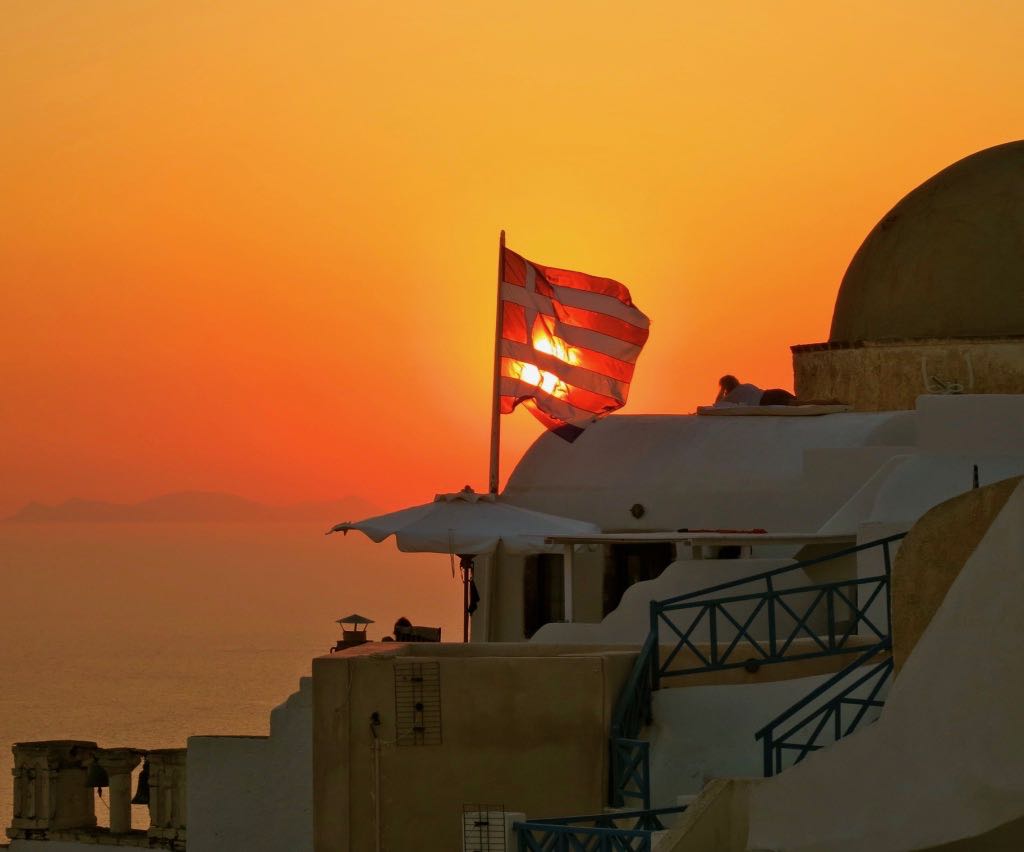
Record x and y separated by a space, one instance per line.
796 631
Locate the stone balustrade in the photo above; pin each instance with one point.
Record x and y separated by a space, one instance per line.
118 764
53 799
167 795
50 789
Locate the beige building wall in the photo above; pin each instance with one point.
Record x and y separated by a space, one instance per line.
270 802
522 726
715 822
943 764
1006 838
932 555
889 375
501 586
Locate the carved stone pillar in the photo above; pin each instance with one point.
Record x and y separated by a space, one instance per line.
49 787
119 763
167 794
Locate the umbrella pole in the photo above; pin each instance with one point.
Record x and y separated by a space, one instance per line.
567 584
465 604
466 564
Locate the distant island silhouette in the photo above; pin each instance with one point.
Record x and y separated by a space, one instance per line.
193 507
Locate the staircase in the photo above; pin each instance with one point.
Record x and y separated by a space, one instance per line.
827 714
712 630
719 628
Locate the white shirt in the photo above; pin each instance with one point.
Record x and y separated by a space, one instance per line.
744 395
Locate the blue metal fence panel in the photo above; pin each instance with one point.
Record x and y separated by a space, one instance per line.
788 621
828 615
614 831
858 685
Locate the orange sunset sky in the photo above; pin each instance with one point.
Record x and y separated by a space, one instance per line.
250 246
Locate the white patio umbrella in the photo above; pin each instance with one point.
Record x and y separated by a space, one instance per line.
469 525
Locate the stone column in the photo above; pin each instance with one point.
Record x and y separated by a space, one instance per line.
49 787
119 763
167 795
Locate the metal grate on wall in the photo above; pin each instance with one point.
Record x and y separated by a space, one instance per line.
418 703
483 828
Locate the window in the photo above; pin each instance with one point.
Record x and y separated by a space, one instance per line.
543 591
626 564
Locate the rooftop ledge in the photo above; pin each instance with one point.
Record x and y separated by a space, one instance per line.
694 539
901 341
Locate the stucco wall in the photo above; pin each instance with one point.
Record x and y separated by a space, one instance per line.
706 732
890 375
523 730
630 622
1006 838
908 487
255 794
941 765
694 472
716 821
502 586
976 424
932 555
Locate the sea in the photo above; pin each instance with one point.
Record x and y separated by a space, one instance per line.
144 634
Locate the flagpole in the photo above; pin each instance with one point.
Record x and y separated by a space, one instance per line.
492 485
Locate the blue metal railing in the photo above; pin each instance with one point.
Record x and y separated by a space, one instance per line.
618 831
828 615
630 776
835 606
631 772
826 722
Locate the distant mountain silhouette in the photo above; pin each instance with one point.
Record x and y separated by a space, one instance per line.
194 507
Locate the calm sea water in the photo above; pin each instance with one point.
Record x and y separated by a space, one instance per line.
145 634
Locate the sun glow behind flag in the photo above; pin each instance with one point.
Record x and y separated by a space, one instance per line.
568 344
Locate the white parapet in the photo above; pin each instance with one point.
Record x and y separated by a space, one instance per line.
255 794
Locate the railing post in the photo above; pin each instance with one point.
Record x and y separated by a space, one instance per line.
648 690
652 674
888 589
768 754
645 751
773 648
830 609
656 650
713 632
615 773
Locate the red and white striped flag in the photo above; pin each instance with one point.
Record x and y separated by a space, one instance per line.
568 344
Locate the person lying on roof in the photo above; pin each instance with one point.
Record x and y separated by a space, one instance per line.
732 392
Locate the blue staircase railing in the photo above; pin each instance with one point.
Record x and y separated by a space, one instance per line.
617 831
827 615
827 722
791 613
630 776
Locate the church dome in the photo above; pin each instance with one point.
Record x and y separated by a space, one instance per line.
946 262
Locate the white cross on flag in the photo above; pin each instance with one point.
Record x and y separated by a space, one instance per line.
568 344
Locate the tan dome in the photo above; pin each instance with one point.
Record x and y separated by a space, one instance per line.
947 261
